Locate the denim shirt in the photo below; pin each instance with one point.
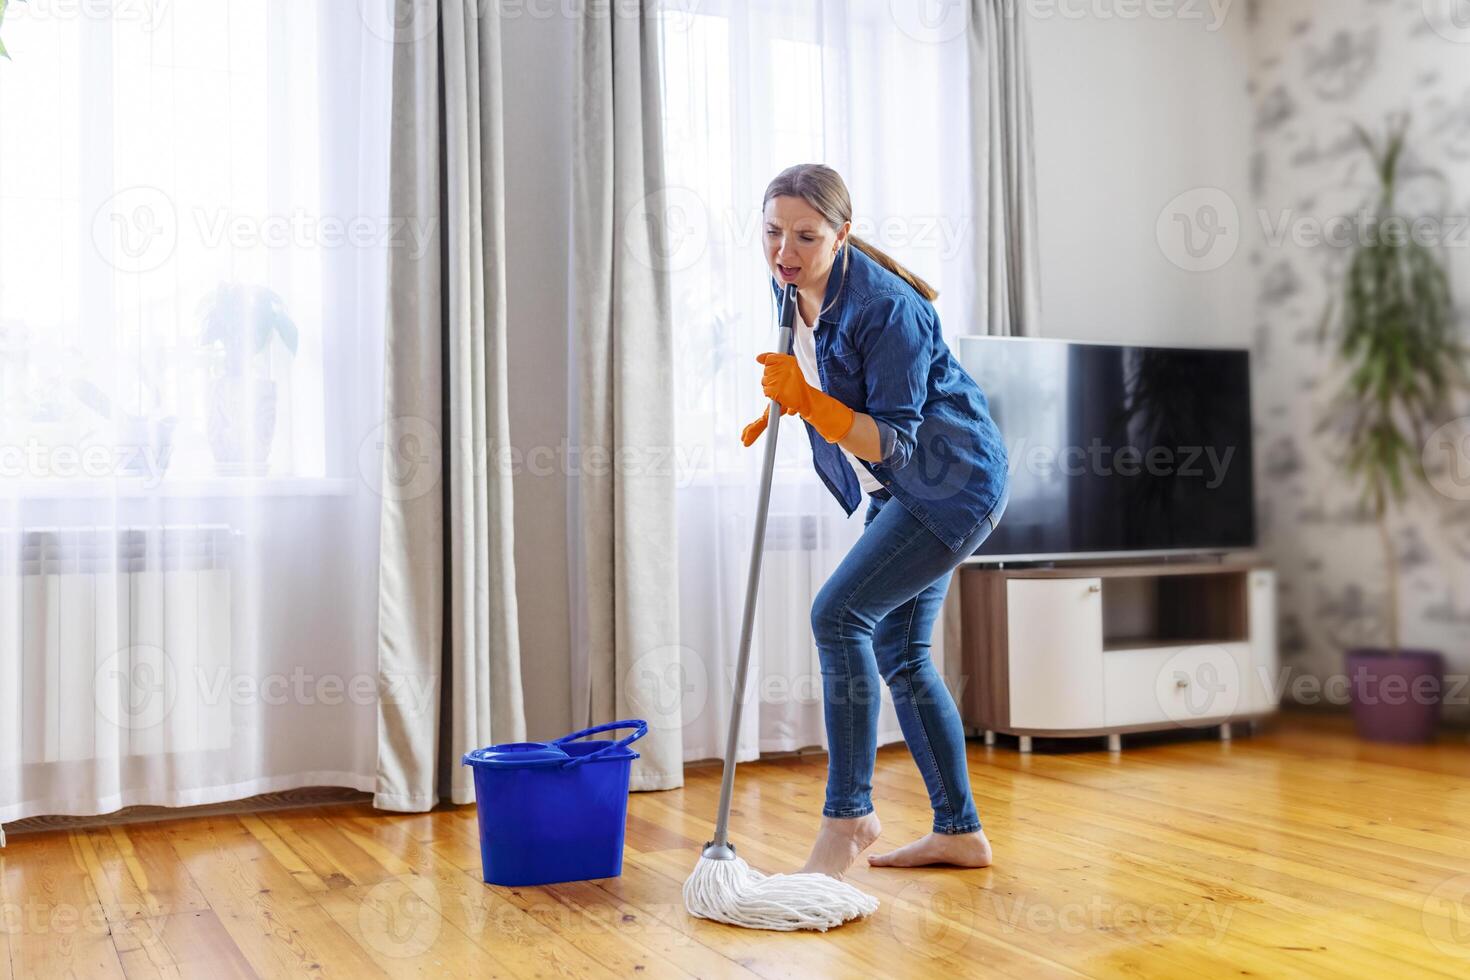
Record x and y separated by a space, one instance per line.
880 351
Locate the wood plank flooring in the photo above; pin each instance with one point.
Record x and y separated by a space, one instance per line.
1297 852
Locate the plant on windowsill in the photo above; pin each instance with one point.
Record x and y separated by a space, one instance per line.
143 442
1398 345
239 326
3 53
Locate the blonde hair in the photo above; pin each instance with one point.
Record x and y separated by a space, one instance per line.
823 188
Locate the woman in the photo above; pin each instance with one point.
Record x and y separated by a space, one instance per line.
891 413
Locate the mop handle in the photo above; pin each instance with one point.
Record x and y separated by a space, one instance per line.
752 582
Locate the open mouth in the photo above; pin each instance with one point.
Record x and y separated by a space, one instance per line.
787 272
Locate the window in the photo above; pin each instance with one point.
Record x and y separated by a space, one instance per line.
172 258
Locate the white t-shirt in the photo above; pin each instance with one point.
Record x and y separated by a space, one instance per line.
805 345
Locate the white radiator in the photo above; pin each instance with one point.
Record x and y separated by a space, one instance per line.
112 641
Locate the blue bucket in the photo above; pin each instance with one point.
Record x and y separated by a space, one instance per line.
554 811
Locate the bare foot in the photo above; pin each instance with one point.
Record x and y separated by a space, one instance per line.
840 841
961 850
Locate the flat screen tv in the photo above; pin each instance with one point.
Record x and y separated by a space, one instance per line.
1118 451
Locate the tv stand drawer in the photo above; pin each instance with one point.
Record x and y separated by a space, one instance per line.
1183 684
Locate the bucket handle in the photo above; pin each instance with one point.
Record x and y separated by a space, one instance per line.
640 726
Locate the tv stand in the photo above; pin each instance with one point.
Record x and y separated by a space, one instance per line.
1103 650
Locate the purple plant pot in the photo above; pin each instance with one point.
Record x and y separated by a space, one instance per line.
1395 699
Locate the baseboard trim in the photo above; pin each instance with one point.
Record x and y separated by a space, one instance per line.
290 799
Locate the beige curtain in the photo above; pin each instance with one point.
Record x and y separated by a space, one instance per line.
625 661
449 658
1008 286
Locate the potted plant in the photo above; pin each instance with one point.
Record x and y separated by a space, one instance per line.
144 442
239 324
1399 350
3 53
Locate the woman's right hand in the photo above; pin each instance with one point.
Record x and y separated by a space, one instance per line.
753 431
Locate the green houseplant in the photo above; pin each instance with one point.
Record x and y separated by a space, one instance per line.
238 325
1398 347
3 4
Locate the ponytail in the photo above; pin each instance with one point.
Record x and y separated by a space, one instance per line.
892 265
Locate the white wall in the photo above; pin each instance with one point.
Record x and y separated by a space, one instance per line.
538 108
1128 115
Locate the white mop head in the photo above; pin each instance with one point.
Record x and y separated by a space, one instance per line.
729 890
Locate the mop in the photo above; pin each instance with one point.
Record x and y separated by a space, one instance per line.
723 887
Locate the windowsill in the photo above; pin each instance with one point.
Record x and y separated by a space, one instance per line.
194 488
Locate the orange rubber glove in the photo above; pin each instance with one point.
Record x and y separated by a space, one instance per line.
784 382
753 431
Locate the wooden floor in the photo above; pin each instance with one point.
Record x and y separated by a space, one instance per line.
1299 851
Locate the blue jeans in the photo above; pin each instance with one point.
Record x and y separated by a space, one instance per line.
873 618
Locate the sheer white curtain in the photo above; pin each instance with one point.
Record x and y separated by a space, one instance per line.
752 86
192 241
